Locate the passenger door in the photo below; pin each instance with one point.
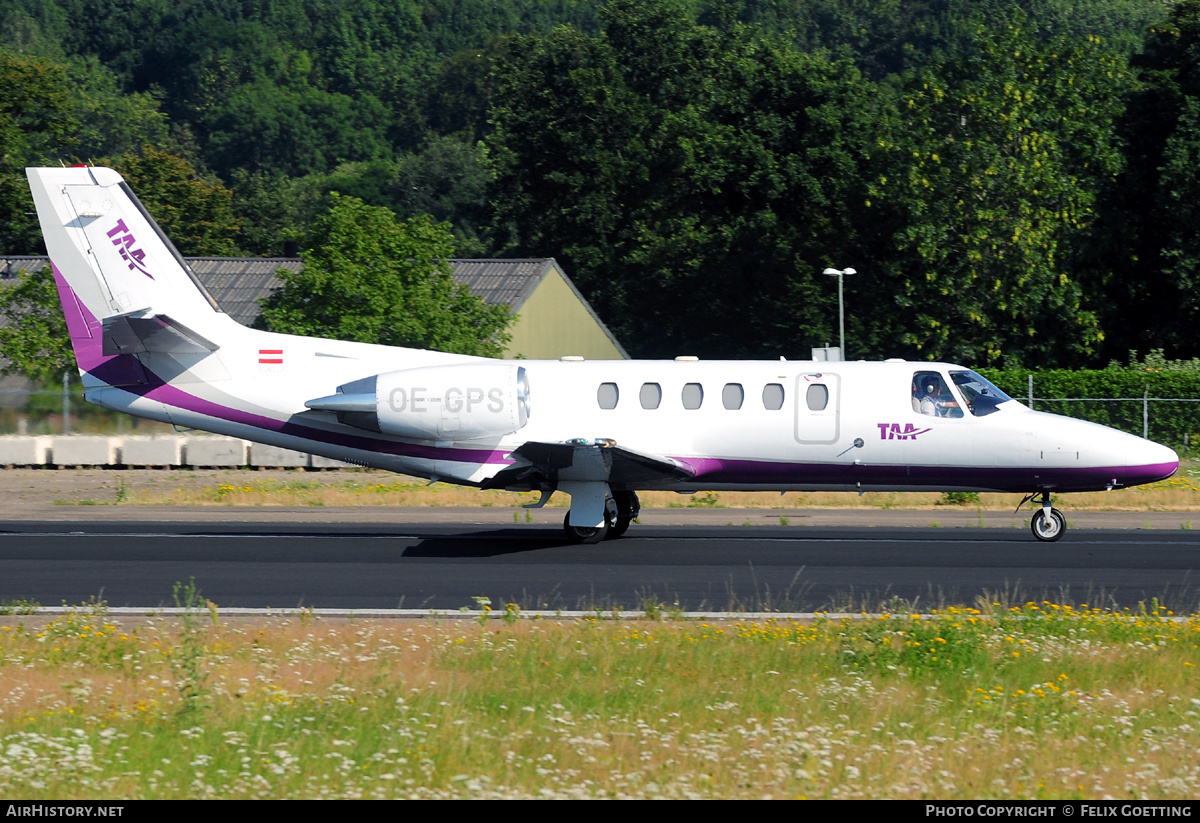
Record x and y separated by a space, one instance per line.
818 415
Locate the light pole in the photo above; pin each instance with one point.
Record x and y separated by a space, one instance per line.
839 273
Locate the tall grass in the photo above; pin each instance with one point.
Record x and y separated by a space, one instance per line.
1036 701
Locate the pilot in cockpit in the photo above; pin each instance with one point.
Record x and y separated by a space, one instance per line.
935 401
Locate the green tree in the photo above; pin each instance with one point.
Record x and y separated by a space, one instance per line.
274 212
197 214
998 164
1147 260
33 336
370 278
694 178
447 179
1179 194
109 121
35 123
293 130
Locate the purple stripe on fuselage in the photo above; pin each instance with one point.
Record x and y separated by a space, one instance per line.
1011 479
171 396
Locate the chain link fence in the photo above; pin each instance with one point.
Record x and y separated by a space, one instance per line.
36 410
1170 420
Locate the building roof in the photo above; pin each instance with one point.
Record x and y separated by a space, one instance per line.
13 264
503 282
238 283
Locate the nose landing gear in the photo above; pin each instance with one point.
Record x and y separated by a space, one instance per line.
1048 524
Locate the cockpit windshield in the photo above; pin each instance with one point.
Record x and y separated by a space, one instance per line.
981 395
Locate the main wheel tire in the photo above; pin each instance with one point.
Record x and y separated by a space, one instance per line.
1048 529
585 534
628 509
619 528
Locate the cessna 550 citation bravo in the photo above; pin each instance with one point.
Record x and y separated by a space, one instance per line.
151 342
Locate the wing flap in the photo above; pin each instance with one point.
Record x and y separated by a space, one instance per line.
543 465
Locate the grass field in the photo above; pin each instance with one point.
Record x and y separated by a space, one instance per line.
995 700
377 488
1034 701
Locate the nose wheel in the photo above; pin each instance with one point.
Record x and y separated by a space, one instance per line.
1048 524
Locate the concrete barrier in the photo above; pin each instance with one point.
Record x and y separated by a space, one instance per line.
152 451
84 450
215 451
138 451
263 457
24 451
316 461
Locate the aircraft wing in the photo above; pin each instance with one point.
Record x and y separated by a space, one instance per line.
539 465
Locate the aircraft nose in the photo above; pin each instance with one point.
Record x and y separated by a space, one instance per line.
1148 462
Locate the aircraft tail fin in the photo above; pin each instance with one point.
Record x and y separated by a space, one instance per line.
124 286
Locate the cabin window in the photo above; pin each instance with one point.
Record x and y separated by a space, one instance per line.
732 396
693 395
650 395
773 397
817 397
607 395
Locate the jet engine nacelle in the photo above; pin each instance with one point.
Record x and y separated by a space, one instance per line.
467 402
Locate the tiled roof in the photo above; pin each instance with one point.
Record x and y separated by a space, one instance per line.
12 264
237 284
502 282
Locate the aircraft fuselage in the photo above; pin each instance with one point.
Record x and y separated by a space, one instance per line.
150 341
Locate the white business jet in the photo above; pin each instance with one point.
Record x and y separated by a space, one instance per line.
151 342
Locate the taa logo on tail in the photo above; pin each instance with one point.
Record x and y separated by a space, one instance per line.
124 240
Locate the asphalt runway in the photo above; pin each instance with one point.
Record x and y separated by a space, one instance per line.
699 567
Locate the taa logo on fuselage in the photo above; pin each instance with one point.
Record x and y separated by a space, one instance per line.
893 431
417 400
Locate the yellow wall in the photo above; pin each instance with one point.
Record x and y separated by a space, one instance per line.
553 323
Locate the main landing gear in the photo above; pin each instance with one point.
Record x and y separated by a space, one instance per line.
620 509
585 534
628 508
1048 523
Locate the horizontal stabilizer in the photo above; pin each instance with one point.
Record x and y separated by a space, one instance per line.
143 331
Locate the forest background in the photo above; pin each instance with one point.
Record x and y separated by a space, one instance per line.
1014 180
